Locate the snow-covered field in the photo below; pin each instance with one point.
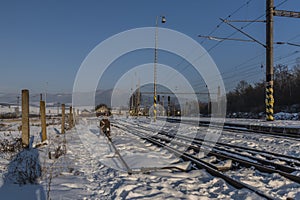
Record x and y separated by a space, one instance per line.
91 170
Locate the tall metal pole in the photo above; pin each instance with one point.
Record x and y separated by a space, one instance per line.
138 98
163 105
163 20
269 61
131 102
155 75
46 94
18 106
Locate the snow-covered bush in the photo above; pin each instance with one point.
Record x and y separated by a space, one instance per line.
24 168
286 116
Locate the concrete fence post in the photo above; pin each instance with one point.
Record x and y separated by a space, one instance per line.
25 118
71 117
63 107
43 120
74 117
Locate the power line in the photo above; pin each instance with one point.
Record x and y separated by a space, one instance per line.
280 4
255 20
298 35
247 76
216 45
245 70
234 12
232 84
238 67
247 61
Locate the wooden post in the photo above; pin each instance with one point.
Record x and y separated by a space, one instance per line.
43 120
25 118
71 117
63 107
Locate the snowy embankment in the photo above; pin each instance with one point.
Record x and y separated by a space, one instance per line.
90 170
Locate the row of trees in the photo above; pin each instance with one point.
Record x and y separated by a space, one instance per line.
251 98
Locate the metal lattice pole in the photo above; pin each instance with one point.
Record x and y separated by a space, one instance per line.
155 66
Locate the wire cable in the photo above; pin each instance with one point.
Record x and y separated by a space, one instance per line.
234 12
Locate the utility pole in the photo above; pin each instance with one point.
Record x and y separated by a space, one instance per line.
138 99
163 105
45 96
18 99
155 73
169 106
18 106
270 12
269 61
163 20
131 103
219 99
208 103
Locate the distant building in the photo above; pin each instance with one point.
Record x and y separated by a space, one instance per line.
102 109
86 113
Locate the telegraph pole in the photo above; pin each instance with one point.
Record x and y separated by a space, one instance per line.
269 61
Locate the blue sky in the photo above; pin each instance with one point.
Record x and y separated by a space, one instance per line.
43 43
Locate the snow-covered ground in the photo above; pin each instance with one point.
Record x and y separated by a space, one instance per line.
91 170
253 122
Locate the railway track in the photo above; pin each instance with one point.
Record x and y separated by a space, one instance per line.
289 160
240 151
237 128
290 163
222 153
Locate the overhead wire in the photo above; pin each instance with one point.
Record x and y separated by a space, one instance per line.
229 36
235 67
248 73
298 35
213 47
249 68
278 5
218 26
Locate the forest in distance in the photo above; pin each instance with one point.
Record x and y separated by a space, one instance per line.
250 97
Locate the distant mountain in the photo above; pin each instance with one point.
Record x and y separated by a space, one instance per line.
8 99
102 96
121 98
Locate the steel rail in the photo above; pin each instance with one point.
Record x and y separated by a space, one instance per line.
198 162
